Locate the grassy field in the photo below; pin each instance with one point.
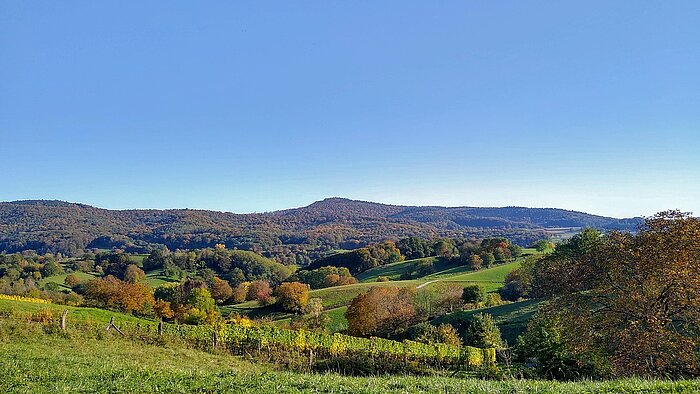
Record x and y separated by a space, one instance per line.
335 297
394 271
32 361
491 278
60 279
511 318
156 278
8 307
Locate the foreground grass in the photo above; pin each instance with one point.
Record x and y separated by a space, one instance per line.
75 314
36 362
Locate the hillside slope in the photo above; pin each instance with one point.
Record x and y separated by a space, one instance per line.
32 361
55 226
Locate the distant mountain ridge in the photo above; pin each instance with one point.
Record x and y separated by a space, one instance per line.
69 228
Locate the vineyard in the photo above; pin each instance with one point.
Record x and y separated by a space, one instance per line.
384 354
310 349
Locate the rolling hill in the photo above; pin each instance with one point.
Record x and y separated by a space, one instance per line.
69 228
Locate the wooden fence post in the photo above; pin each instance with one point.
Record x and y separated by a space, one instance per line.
111 325
405 354
63 320
215 340
160 328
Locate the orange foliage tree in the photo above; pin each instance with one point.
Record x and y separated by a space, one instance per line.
381 311
293 296
113 293
632 298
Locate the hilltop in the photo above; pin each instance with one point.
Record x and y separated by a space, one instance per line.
57 226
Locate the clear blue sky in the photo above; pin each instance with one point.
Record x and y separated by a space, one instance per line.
256 106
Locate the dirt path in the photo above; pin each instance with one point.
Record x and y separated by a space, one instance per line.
427 283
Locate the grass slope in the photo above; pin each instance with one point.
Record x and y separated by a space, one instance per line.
60 279
394 271
511 318
155 278
9 307
336 299
32 361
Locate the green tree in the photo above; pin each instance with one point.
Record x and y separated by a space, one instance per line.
133 274
488 259
201 299
481 331
51 268
473 294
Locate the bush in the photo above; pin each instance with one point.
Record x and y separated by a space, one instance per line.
473 294
543 341
50 269
481 331
430 334
71 280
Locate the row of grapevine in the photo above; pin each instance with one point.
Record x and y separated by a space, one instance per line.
246 337
241 337
24 299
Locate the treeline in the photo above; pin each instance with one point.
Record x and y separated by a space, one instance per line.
361 259
476 254
296 236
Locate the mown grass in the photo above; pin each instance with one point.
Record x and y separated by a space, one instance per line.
60 279
32 361
155 278
10 307
334 297
394 271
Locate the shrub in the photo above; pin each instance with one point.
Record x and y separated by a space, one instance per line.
71 280
481 331
473 294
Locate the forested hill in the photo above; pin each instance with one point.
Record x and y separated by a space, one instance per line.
56 226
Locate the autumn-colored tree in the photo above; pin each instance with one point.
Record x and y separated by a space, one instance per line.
476 262
133 274
293 296
449 297
381 311
113 293
162 309
71 280
240 293
632 298
220 290
338 280
445 248
260 290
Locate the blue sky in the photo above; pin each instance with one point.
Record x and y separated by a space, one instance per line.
257 106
